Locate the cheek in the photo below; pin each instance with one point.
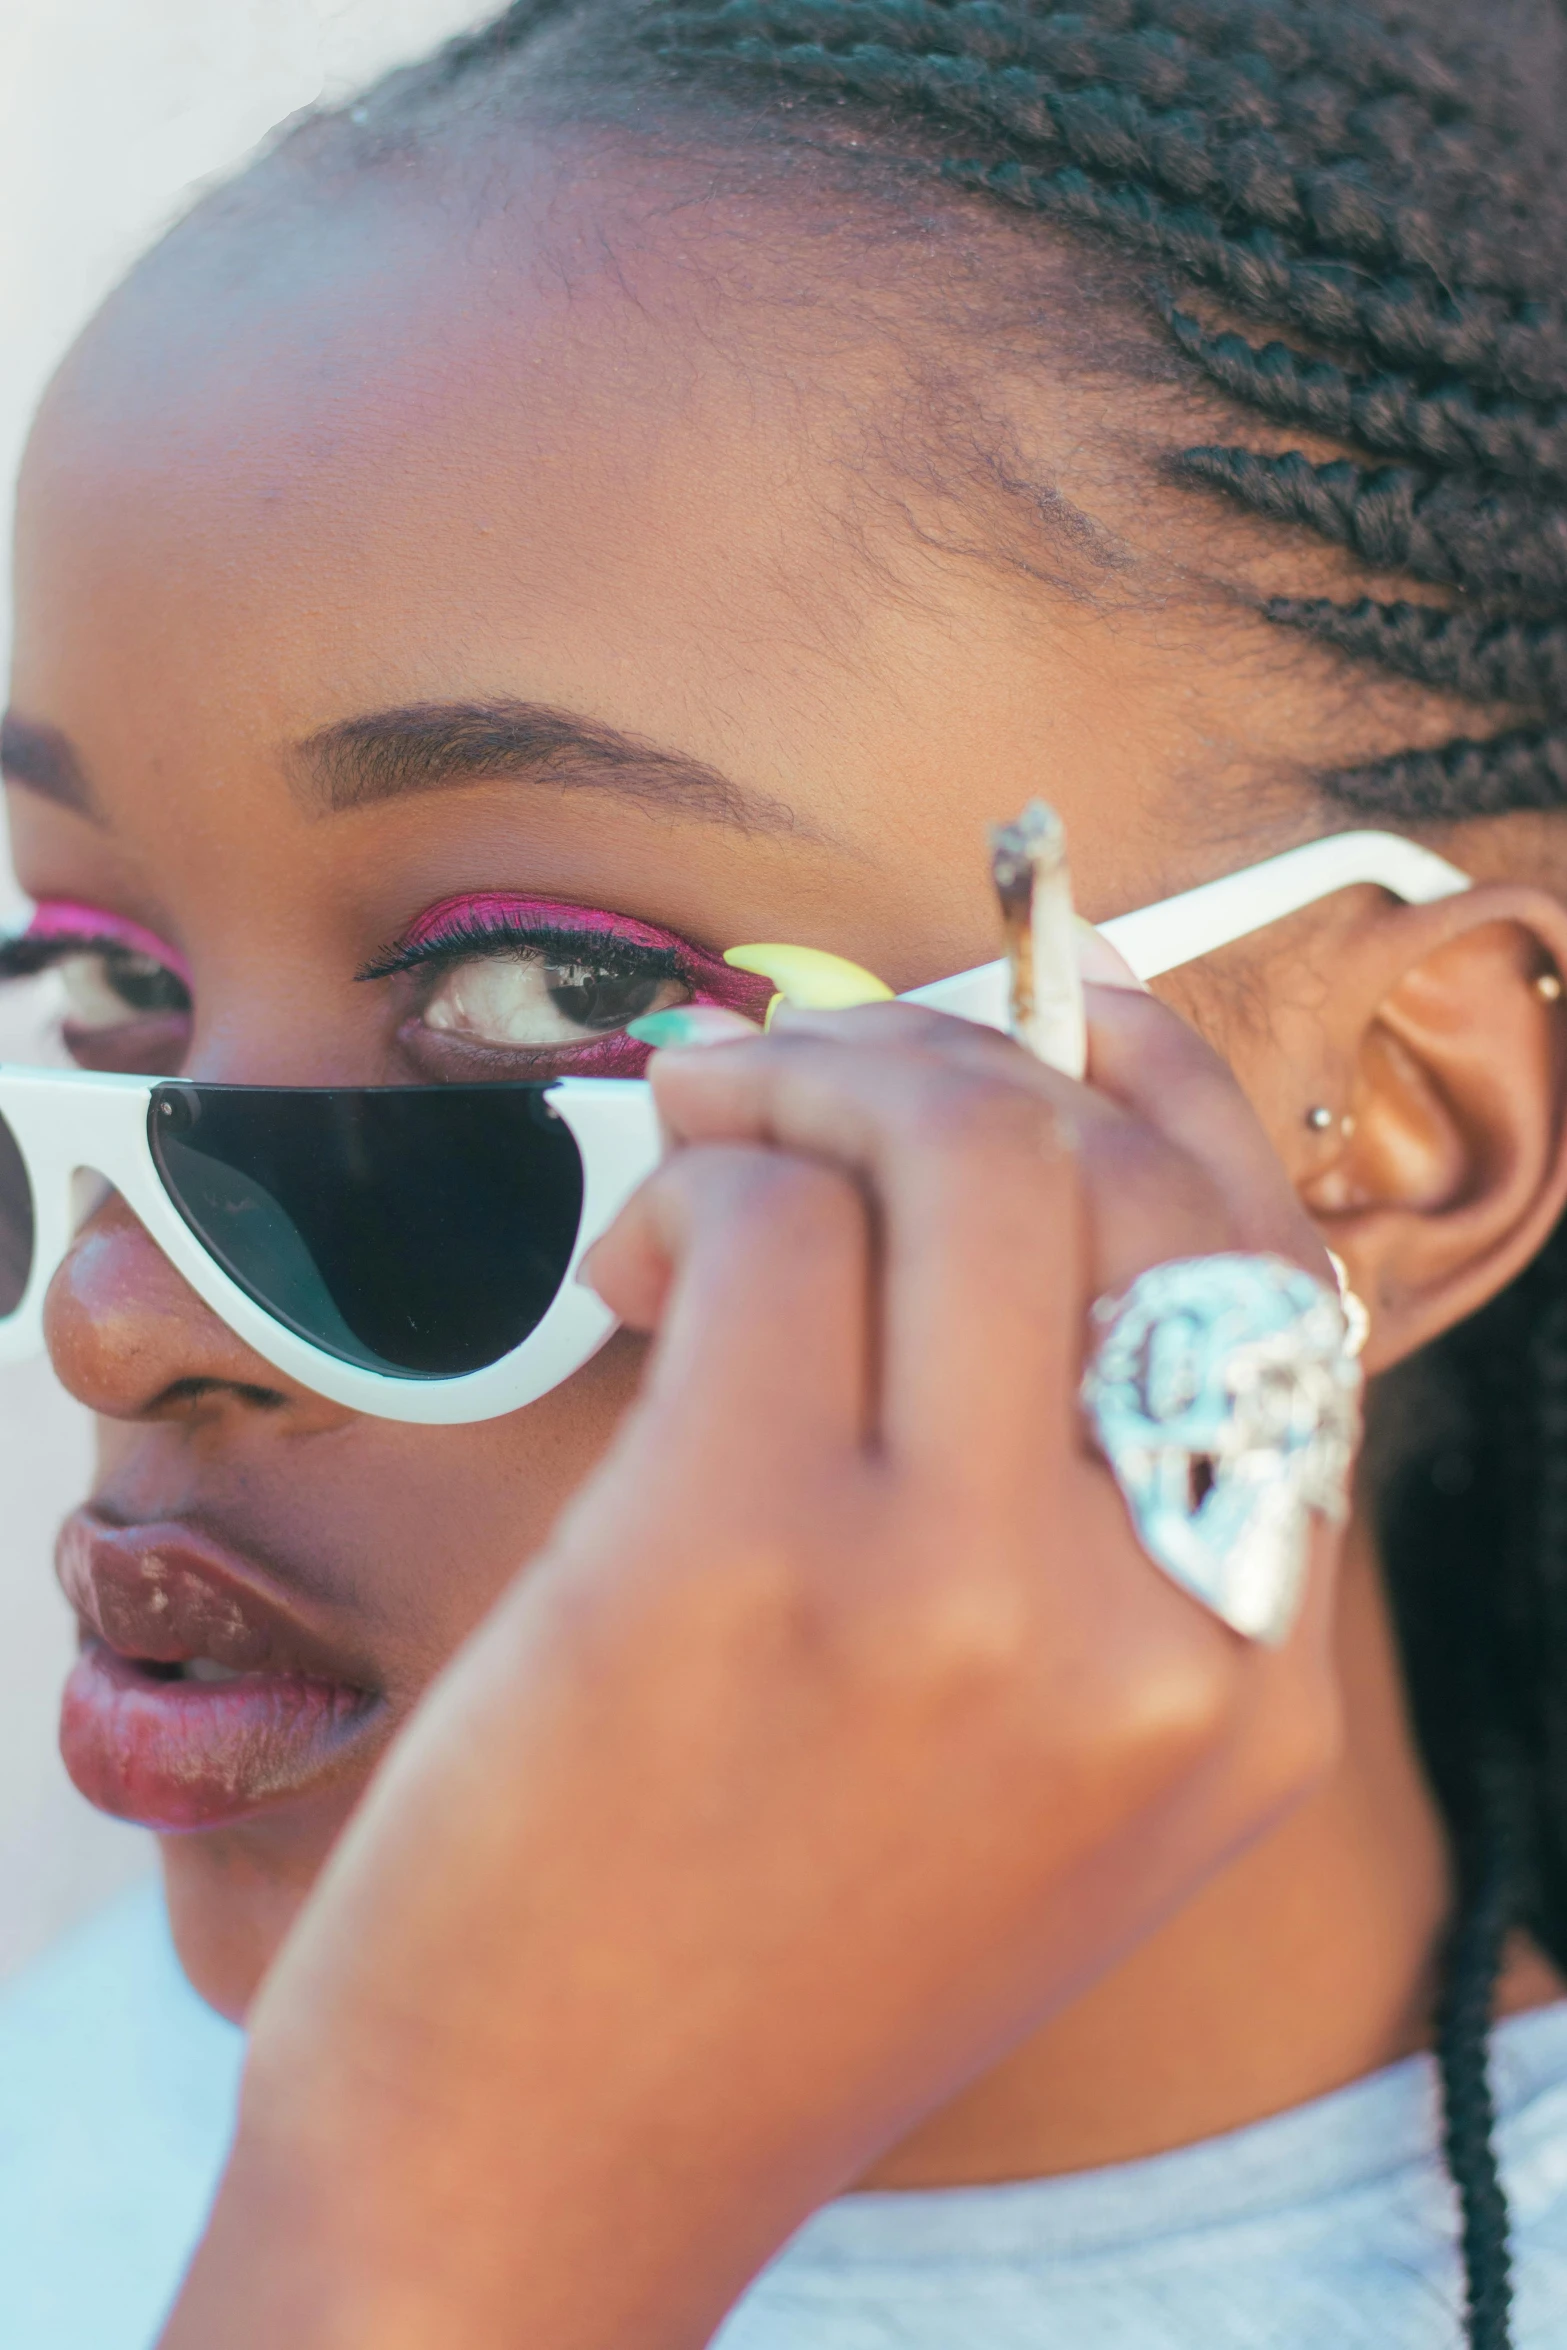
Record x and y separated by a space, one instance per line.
443 1518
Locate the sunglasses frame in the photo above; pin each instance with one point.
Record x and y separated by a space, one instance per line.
71 1122
68 1123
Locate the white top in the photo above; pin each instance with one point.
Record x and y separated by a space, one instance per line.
1329 2228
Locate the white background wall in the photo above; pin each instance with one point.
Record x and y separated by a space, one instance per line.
111 112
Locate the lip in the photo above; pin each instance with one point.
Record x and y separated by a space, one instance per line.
176 1754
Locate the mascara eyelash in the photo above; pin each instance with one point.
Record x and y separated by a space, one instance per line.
27 956
22 957
492 922
468 937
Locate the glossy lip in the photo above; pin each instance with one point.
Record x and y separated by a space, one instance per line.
176 1754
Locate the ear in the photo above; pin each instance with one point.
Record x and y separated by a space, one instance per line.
1435 1038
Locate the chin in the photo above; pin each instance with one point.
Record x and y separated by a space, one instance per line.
233 1894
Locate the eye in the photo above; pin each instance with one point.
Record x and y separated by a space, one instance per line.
112 1003
501 987
108 987
547 999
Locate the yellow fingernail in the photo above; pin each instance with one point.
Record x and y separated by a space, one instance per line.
806 976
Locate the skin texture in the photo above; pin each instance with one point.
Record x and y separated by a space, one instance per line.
786 1708
585 453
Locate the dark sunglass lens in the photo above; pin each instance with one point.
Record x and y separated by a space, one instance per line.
16 1222
419 1231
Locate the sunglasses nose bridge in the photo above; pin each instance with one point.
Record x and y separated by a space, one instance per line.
87 1190
71 1147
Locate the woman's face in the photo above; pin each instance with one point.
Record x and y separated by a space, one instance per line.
583 451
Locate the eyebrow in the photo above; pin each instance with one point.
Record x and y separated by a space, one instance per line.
42 760
440 746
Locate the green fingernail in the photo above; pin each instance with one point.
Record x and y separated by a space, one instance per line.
664 1028
691 1024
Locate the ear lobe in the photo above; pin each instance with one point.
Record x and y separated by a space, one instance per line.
1453 1169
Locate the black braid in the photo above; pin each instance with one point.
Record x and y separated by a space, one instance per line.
1519 661
1503 347
1497 544
1373 185
1392 414
1462 2036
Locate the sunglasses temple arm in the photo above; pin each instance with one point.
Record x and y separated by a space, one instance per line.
1162 937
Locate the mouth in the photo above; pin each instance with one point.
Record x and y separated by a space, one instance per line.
202 1694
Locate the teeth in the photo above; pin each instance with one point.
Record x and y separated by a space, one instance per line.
202 1668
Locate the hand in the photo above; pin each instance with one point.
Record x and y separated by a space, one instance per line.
842 1732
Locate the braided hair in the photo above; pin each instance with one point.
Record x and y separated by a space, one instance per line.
1366 192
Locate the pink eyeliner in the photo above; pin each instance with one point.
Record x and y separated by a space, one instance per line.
91 926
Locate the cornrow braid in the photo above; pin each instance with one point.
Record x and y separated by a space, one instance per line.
1393 414
1492 777
1498 544
1462 2033
1049 93
1369 191
1522 661
1499 345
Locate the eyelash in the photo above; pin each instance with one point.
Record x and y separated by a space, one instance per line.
28 957
446 942
469 935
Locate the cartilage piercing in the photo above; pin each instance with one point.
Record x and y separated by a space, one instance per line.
1319 1118
1549 985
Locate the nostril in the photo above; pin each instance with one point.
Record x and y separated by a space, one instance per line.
183 1391
131 1339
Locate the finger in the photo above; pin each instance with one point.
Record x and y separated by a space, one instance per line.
754 1269
1153 1065
1144 1056
1146 1199
976 1198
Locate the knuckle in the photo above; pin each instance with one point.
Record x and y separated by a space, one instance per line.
1201 1696
979 1118
1144 1174
949 1641
1177 1708
924 1620
798 1199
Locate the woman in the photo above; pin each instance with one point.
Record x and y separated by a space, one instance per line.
654 479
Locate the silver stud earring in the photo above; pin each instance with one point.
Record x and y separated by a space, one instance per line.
1549 985
1319 1118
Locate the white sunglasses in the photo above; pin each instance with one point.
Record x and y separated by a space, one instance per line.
409 1251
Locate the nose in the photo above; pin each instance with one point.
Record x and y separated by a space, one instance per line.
130 1339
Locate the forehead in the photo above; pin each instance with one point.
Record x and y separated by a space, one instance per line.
386 405
575 434
583 431
572 433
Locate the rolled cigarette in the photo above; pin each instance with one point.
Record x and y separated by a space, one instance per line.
1028 860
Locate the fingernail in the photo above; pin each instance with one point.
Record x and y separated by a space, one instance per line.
811 978
688 1024
1102 964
